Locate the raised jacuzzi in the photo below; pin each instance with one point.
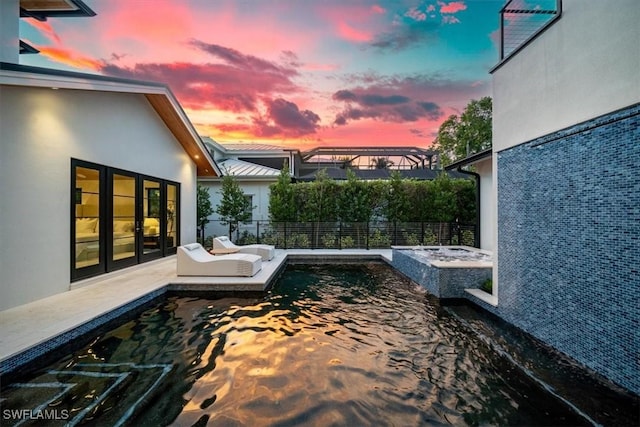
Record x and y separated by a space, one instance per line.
444 271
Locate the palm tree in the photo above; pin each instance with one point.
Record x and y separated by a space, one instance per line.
381 163
346 161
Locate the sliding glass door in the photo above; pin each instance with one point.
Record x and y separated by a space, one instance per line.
171 235
87 238
123 248
152 229
120 218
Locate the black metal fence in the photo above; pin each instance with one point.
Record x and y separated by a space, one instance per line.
345 235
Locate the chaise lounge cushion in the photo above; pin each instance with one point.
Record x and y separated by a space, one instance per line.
267 252
194 260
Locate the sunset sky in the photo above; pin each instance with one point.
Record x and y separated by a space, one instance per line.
300 73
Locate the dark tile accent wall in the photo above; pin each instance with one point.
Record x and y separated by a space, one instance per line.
569 242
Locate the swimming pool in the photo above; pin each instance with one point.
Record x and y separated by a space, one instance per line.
336 345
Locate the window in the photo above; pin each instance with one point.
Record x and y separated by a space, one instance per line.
248 207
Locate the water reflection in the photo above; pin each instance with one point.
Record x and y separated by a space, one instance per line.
349 345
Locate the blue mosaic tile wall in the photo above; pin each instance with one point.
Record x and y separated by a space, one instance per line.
569 242
440 282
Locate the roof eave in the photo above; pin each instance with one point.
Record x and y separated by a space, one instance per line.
470 160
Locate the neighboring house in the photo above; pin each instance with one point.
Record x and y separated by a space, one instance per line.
566 150
255 167
96 174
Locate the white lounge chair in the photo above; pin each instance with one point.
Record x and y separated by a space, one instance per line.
194 260
267 252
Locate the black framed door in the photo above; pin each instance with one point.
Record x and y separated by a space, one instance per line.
122 238
120 218
88 250
151 224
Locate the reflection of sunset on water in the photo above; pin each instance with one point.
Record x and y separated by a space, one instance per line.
359 352
328 345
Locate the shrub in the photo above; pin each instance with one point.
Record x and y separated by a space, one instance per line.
468 238
329 240
430 238
270 237
487 286
247 238
298 241
347 242
411 239
379 240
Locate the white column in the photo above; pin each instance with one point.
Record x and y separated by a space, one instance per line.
9 31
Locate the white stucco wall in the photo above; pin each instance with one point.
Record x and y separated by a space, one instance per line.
258 189
9 31
585 65
487 206
42 129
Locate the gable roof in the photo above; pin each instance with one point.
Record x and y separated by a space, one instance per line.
224 149
158 95
240 169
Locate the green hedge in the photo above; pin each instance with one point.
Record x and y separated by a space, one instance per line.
440 200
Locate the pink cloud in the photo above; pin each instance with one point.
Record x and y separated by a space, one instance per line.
452 7
46 29
351 21
319 67
70 58
415 14
160 32
163 22
349 33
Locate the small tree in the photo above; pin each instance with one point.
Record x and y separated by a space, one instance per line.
469 133
234 206
397 203
282 207
203 209
354 203
444 201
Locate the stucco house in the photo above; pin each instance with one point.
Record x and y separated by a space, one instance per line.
566 187
96 174
255 167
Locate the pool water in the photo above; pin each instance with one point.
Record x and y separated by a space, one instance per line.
328 345
444 253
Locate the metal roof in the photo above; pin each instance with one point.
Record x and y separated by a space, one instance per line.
240 168
250 146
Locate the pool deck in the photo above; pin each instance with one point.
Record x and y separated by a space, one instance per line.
29 325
